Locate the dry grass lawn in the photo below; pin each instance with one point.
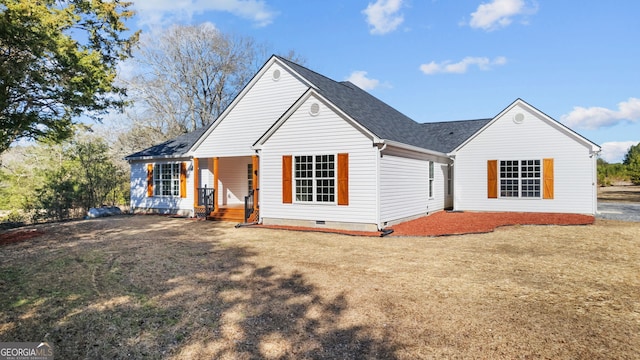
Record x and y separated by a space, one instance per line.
156 287
624 193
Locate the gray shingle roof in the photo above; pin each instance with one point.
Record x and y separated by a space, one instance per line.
386 122
175 147
376 116
445 136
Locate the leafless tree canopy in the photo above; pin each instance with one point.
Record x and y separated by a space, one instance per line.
186 76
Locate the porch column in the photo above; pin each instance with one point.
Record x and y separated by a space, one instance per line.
255 163
196 176
215 183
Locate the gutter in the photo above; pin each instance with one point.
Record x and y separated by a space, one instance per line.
163 157
414 148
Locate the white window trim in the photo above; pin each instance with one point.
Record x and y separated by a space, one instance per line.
314 189
520 179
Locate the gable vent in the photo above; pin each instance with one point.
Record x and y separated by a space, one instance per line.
276 74
314 109
518 118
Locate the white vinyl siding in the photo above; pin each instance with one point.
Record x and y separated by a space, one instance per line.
252 114
324 133
162 204
404 185
536 137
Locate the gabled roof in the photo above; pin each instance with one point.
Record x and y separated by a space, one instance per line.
551 121
376 116
380 119
174 148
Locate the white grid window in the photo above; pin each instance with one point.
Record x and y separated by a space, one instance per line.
520 178
449 179
315 178
431 177
166 180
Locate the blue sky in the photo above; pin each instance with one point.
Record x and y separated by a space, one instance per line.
438 60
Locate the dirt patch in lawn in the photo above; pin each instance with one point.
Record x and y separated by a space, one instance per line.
151 287
452 223
18 235
619 193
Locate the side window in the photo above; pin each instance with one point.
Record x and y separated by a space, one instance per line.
431 178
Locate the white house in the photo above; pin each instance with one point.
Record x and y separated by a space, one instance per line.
305 150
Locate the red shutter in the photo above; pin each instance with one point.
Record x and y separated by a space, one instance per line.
287 189
492 179
149 180
343 179
547 173
183 179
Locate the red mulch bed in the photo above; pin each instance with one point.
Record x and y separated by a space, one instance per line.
19 235
455 223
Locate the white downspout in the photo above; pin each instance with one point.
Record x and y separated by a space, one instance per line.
258 153
594 179
454 186
379 151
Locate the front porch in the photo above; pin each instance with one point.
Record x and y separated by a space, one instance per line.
226 188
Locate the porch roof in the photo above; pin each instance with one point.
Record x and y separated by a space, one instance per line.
176 147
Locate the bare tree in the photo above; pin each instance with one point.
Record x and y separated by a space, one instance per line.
187 75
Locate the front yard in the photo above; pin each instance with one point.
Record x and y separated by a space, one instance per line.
157 287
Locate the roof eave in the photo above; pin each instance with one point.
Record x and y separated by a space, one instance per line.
156 157
413 148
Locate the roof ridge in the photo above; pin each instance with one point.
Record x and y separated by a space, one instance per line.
453 121
289 62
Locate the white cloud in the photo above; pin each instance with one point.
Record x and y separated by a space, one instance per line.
614 152
383 16
461 67
499 13
362 81
597 117
163 12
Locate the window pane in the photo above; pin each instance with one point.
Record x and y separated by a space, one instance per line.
530 172
509 178
303 176
325 178
508 188
304 190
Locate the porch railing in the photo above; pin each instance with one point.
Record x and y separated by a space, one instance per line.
249 205
205 198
